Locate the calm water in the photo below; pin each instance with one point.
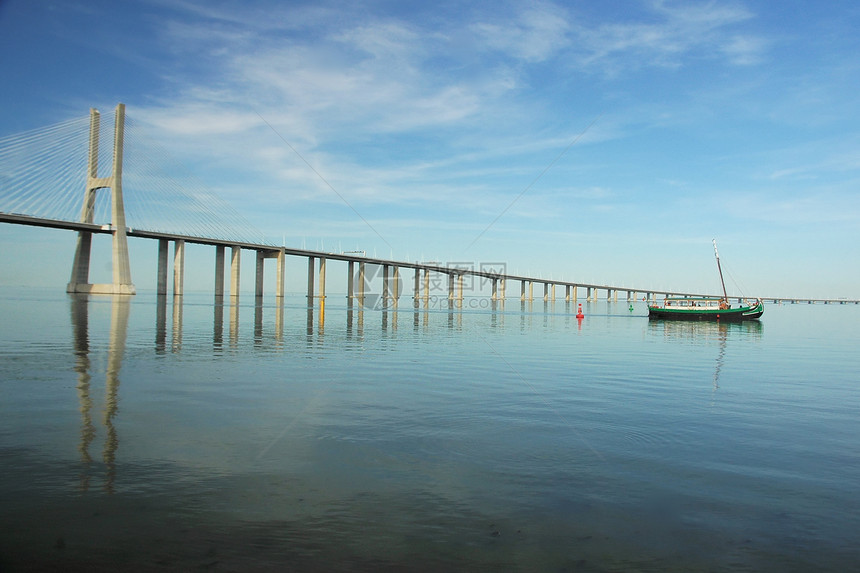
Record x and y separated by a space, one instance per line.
143 436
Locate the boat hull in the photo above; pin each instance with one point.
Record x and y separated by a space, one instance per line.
723 315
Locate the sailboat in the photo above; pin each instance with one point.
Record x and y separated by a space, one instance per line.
707 308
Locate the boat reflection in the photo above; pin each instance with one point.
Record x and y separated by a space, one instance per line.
694 331
704 332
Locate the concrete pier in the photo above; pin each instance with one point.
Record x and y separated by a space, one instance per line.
280 280
386 287
235 266
178 267
361 282
219 271
350 282
310 280
161 277
322 279
279 256
259 269
79 280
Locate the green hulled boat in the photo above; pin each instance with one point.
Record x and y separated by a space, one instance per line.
707 308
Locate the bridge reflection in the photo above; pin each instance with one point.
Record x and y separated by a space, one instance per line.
269 319
268 327
120 307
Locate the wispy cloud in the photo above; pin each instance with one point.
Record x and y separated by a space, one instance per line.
671 34
413 113
534 33
383 74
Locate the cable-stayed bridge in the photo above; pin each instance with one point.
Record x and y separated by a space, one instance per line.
43 174
89 176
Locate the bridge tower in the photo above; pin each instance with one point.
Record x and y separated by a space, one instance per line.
79 281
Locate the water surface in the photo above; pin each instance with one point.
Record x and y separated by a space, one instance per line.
151 434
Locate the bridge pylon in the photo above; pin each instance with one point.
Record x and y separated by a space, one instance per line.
79 281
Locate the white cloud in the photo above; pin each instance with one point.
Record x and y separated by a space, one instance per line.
537 32
745 50
673 33
330 87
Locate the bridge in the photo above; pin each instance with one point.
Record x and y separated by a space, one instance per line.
49 178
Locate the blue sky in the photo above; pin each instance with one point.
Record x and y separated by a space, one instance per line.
586 141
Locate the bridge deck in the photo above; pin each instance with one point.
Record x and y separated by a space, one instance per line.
19 219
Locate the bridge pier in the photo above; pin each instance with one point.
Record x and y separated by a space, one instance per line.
361 282
161 276
390 286
279 256
79 280
280 279
350 282
310 280
322 279
235 266
395 275
460 279
219 271
178 267
386 287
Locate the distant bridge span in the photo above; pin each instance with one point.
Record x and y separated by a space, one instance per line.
33 154
269 251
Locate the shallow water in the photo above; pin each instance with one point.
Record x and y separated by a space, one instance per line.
147 434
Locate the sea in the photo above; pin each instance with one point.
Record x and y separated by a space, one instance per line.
153 433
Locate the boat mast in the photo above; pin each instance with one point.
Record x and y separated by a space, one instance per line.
719 268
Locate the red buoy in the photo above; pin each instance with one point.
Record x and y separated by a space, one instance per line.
579 312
